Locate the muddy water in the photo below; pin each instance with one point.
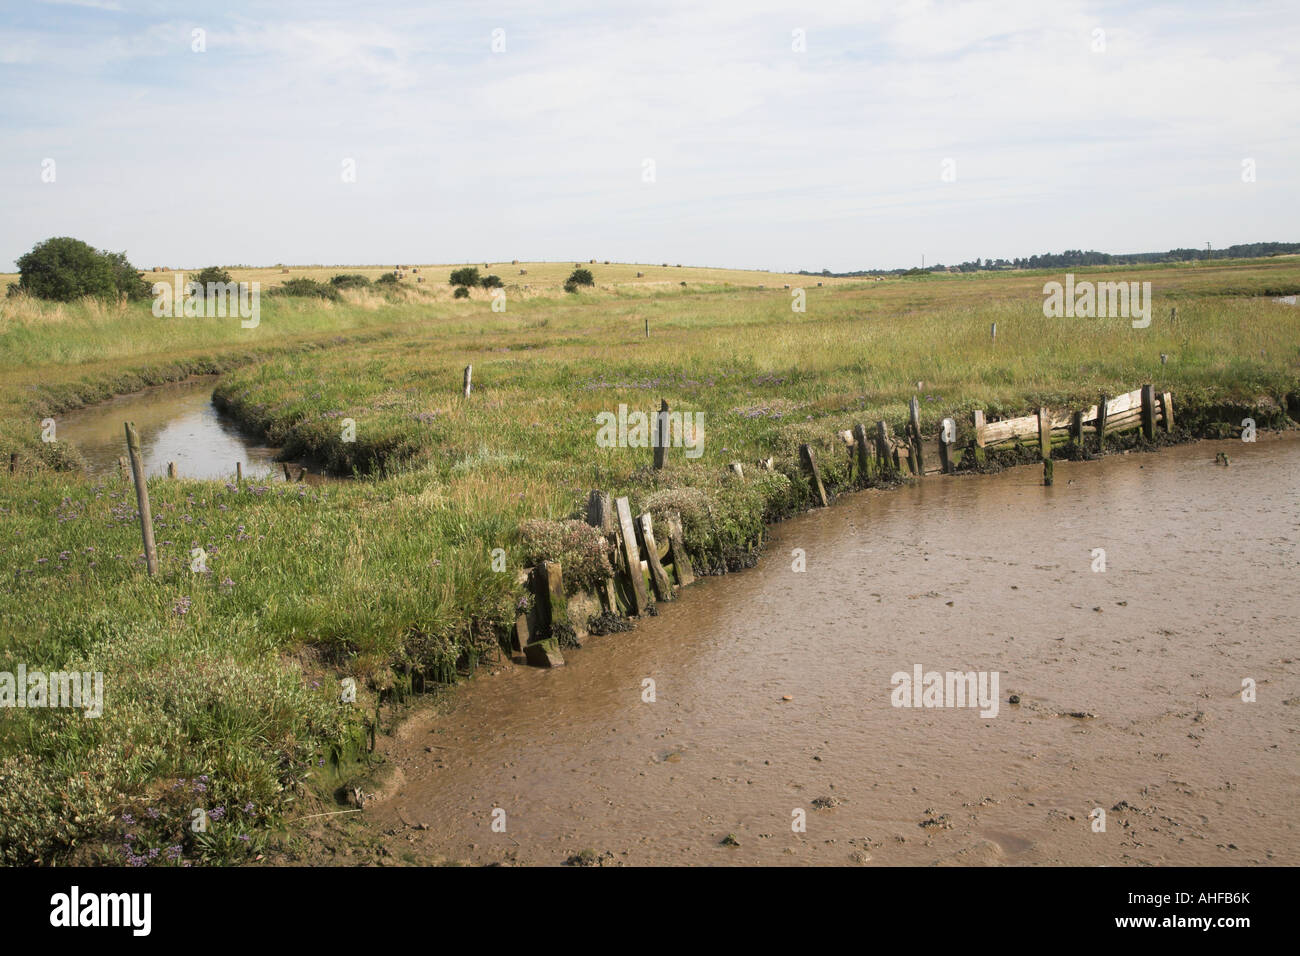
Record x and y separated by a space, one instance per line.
177 422
956 573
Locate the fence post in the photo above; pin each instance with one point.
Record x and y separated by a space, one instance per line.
914 427
658 576
640 602
660 433
142 498
977 417
810 462
1167 407
1101 424
866 462
1149 412
1044 434
469 374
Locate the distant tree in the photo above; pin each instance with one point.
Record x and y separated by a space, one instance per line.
64 269
461 292
212 274
491 282
579 277
467 276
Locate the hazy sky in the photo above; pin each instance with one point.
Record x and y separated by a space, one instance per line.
764 155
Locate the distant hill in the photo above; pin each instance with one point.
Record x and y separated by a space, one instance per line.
1076 257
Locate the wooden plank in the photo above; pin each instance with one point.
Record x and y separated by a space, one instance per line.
866 461
998 432
142 498
677 550
661 436
1124 403
932 455
640 601
810 463
658 576
1102 407
1044 434
1149 412
914 434
1167 410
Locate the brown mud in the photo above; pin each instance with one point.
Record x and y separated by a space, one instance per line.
1129 684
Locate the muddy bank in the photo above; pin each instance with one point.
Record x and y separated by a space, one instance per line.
987 574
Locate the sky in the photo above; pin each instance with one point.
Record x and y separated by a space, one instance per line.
756 134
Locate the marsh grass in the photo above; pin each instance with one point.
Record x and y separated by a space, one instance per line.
233 675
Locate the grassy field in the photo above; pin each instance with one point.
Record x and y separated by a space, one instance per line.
221 688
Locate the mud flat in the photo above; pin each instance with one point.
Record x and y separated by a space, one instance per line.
1129 683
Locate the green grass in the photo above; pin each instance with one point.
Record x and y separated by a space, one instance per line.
233 675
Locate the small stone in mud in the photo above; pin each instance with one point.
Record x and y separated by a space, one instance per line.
1013 699
825 803
936 823
730 840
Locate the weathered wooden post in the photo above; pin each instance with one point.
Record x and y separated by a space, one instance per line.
1101 424
287 476
978 418
13 462
1076 429
469 374
1167 409
239 472
866 461
1149 412
1044 434
1048 468
660 434
993 332
810 463
600 515
122 467
557 622
171 469
677 550
914 429
947 436
658 576
142 498
884 450
647 327
640 601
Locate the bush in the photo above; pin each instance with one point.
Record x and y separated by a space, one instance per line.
353 280
64 269
491 282
386 279
307 288
467 276
580 277
461 292
570 287
212 274
581 550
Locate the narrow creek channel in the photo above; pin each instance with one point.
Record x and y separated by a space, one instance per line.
177 422
992 574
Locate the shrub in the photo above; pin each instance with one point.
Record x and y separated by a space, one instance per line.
352 280
461 292
307 288
467 276
570 287
581 550
491 282
580 277
213 274
386 279
64 269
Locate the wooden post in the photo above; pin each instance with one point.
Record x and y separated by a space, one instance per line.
914 427
469 374
977 417
142 498
737 469
302 473
1167 410
993 332
658 576
947 435
287 476
1101 424
810 462
1048 468
884 450
1076 429
647 327
13 462
677 550
1149 412
660 434
866 461
1044 434
600 514
239 472
171 469
639 599
122 467
557 622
